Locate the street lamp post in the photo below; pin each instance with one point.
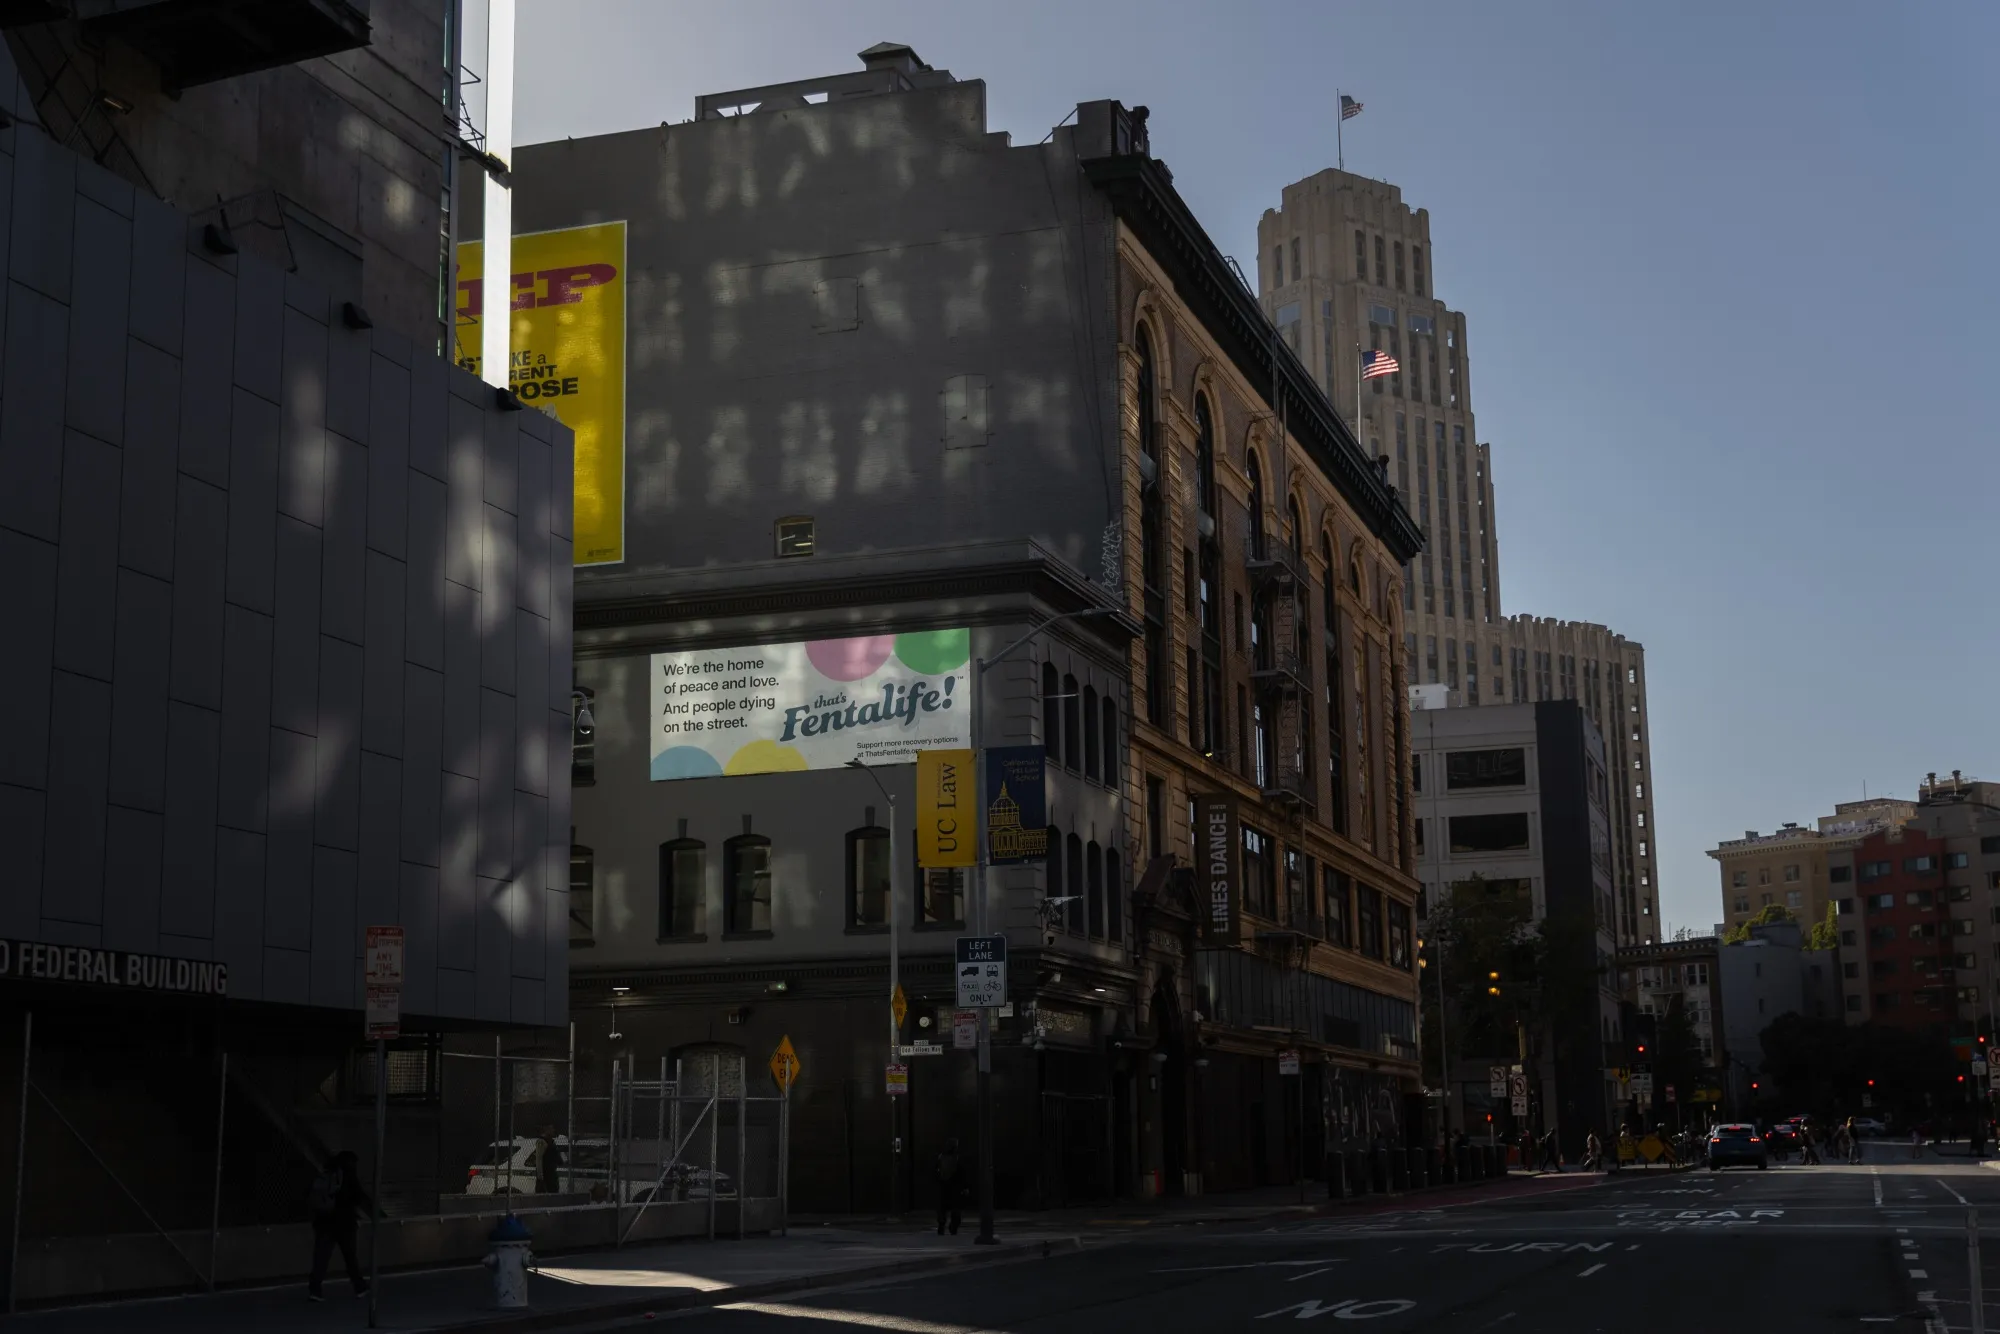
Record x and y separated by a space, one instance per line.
895 981
981 916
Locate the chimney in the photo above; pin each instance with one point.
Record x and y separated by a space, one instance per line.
892 56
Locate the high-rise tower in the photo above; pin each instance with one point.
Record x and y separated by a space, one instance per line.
1345 269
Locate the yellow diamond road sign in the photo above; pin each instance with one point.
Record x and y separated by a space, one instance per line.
784 1064
899 1006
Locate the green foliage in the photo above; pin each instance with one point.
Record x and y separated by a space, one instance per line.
1823 1065
1825 935
1771 912
1547 970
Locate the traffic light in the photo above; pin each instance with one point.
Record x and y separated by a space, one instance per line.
1753 1086
1492 983
1641 1049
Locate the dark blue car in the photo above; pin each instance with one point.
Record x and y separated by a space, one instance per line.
1737 1142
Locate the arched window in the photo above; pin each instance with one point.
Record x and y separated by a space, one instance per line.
1093 870
683 888
1336 759
1114 898
1053 861
868 876
1152 540
1256 508
746 884
582 895
1204 455
1073 877
1091 754
1354 571
1296 536
1052 740
1072 724
1113 769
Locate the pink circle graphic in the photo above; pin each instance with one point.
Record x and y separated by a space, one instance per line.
850 659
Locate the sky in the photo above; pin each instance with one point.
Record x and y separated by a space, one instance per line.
1722 265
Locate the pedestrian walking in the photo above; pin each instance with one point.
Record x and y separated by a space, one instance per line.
335 1202
1593 1153
950 1173
548 1158
1808 1149
1551 1155
1916 1142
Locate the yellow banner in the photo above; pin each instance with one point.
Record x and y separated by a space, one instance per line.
946 809
569 357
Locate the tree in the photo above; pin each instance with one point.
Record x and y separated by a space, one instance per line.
1769 913
1825 935
1677 1061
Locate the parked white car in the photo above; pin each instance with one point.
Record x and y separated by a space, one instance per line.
587 1173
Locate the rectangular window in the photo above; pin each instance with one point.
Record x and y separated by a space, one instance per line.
1399 266
1918 865
1277 266
1792 871
582 895
1417 269
747 884
1368 920
1399 934
1920 898
1421 324
1739 879
1360 257
683 879
940 895
1505 831
1298 269
1381 269
1333 907
1741 903
1840 875
1956 861
1260 872
1873 871
1505 766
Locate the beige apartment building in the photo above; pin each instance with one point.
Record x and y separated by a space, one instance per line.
1345 267
1801 869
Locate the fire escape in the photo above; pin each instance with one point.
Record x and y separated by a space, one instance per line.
1279 588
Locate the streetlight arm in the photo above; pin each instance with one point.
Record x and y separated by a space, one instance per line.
1058 618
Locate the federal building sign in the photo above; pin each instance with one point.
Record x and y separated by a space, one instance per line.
1218 842
35 961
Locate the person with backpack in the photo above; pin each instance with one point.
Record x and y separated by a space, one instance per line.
950 1174
335 1202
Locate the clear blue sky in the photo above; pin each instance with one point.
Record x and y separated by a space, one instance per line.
1727 271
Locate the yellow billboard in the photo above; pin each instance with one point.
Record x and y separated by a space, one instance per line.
569 357
947 833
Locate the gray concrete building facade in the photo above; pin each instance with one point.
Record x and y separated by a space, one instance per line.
884 381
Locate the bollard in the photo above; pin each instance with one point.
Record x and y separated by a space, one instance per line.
509 1262
1978 1295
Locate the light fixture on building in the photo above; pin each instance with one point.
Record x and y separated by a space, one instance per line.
777 988
619 991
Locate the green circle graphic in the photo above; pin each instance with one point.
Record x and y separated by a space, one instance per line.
934 652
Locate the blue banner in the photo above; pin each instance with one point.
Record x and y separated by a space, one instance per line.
1017 806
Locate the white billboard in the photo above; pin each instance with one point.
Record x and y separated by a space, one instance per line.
770 708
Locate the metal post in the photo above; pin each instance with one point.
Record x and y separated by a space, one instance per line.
895 981
742 1138
660 1135
215 1206
569 1112
785 1163
496 1126
1972 1264
20 1161
612 1167
375 1197
674 1112
980 927
714 1139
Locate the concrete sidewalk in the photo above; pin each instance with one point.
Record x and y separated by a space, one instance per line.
570 1290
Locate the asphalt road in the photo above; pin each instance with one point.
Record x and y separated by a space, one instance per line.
1880 1246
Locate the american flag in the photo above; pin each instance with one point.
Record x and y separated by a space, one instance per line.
1377 363
1349 108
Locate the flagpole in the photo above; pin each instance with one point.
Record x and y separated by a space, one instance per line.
1339 141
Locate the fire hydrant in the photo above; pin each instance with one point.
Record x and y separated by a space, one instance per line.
509 1260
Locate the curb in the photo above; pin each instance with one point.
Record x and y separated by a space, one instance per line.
681 1301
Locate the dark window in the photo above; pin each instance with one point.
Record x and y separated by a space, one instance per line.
1092 753
1093 870
1873 871
1242 730
1108 741
746 861
1053 864
1505 831
1368 919
1840 875
1381 268
1400 285
1051 712
1417 286
1990 843
1956 861
1072 724
1361 257
683 882
1298 269
1256 509
1260 872
1114 898
1399 934
1074 879
1156 816
1336 757
1416 772
1277 266
941 896
795 536
1505 766
582 895
868 876
1153 541
1334 906
1919 898
1204 455
1917 865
